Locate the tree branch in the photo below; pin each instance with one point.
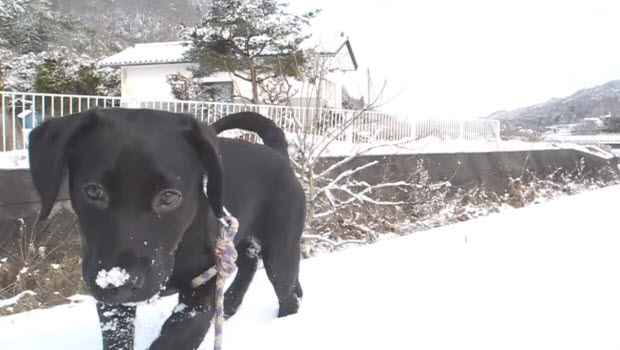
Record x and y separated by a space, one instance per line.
342 175
240 76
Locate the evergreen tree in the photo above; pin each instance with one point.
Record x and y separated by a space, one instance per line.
88 80
612 124
350 102
255 40
75 75
23 24
45 79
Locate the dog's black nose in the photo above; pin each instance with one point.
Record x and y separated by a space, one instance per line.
137 282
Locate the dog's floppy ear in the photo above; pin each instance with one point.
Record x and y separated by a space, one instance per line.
49 151
204 140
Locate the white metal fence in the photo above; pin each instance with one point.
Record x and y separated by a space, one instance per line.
467 130
21 112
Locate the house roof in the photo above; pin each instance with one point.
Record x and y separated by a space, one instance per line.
27 113
150 53
174 52
341 53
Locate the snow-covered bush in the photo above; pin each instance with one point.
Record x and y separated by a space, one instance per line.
59 71
418 203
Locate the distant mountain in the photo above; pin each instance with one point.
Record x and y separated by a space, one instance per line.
596 102
68 35
93 27
126 22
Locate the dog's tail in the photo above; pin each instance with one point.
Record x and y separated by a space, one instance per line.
266 129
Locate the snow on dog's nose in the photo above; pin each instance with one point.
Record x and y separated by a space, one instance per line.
113 278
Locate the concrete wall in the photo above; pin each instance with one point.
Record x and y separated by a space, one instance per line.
468 170
18 198
19 208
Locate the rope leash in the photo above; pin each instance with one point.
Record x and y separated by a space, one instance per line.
226 255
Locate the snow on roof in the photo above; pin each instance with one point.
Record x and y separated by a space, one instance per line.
150 53
25 113
174 52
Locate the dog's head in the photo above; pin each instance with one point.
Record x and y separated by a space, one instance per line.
135 180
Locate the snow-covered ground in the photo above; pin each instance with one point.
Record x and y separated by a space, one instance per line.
14 160
541 277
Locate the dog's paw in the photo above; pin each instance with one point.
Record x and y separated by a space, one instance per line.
229 313
289 307
230 307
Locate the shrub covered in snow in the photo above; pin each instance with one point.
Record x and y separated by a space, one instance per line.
44 50
420 204
59 71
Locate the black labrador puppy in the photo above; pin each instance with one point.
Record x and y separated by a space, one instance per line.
136 185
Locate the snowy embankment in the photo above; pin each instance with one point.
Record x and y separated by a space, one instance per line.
19 159
14 160
542 277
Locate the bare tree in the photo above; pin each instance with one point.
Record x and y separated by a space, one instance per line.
332 189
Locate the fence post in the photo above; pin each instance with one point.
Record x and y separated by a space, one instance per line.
413 127
262 110
461 130
350 127
497 130
3 107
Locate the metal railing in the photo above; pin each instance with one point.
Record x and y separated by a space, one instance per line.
466 130
21 112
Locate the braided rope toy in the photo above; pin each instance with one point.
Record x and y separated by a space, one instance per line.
226 256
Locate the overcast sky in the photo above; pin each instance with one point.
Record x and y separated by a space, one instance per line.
463 59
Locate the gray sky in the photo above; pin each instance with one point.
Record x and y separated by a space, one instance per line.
462 59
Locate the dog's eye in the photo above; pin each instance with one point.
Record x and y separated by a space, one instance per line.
168 198
94 192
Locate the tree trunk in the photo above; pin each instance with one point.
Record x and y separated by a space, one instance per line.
254 78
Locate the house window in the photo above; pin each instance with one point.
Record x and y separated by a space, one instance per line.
220 91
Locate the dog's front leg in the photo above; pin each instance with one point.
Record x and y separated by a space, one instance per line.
117 324
187 326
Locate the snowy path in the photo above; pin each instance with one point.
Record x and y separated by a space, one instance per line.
543 277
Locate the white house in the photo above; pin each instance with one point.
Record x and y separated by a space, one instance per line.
145 68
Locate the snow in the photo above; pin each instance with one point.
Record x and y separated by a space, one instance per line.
541 277
150 53
15 299
114 277
14 160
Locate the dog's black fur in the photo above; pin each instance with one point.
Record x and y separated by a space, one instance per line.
136 185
